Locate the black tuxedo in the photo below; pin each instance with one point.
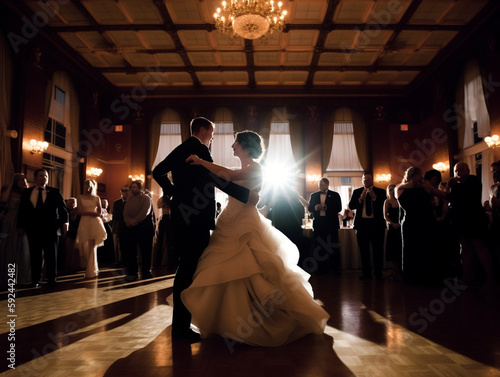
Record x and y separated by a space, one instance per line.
42 226
326 237
193 213
370 231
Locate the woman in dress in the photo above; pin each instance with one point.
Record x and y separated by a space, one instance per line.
14 247
393 249
247 286
91 232
418 227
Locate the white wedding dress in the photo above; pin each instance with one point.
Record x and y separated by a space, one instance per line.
248 287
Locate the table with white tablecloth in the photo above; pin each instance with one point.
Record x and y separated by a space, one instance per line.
349 252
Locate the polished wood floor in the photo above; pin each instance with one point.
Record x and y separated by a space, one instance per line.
107 327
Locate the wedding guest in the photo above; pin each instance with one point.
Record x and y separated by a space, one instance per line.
418 226
118 226
137 214
325 205
470 224
105 253
14 248
42 214
495 221
369 223
71 252
394 246
166 255
91 233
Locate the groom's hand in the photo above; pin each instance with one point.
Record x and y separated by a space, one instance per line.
193 159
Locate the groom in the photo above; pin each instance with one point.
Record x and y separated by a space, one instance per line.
193 211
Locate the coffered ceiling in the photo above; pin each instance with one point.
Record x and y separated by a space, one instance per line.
334 46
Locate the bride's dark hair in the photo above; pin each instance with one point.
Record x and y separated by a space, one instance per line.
252 142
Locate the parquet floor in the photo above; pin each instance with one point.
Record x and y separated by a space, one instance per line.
107 327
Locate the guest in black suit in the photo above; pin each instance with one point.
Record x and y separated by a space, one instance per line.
118 225
325 206
42 213
470 223
369 222
193 211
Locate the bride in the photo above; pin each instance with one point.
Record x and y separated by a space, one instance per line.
247 286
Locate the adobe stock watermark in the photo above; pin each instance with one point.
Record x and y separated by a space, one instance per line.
437 306
121 107
323 250
372 29
55 342
40 19
247 326
426 147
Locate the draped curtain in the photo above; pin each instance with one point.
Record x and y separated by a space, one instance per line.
6 165
345 114
360 132
474 104
297 141
62 80
165 135
222 152
471 106
343 156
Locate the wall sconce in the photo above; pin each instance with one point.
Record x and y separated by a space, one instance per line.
94 172
38 146
492 141
136 177
441 166
313 178
12 134
382 178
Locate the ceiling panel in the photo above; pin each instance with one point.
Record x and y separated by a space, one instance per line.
358 43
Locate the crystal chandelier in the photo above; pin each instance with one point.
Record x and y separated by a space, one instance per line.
250 19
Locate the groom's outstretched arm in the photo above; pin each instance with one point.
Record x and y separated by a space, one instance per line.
232 189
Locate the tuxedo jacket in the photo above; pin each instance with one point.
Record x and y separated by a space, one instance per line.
47 221
377 205
333 207
193 187
118 222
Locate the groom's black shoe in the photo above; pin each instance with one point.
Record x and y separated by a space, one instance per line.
189 335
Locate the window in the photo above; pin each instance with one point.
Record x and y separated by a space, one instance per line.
344 169
279 153
222 153
59 95
55 133
477 121
55 169
170 138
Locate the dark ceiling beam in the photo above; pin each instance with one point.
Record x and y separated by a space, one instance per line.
250 63
76 62
400 26
320 43
179 47
461 43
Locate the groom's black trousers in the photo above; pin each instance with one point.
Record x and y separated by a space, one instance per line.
191 241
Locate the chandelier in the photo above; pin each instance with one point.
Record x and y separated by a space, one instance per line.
250 19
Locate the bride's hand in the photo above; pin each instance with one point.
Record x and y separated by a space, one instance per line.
193 160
